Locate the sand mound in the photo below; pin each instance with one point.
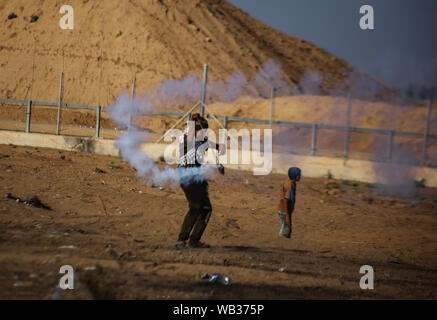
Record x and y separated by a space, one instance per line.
113 41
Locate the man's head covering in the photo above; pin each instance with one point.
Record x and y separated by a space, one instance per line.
294 173
199 121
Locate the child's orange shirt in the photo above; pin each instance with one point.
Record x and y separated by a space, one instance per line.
288 192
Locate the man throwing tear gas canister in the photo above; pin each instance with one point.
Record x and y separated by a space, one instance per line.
192 151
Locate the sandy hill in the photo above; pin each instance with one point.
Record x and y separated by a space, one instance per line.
113 41
155 40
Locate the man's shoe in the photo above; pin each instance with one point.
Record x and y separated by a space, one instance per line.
198 244
282 216
285 231
180 245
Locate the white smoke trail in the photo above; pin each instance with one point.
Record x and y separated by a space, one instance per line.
130 142
173 92
187 91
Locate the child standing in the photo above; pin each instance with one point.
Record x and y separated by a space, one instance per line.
288 200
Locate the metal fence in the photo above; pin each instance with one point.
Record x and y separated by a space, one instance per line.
314 127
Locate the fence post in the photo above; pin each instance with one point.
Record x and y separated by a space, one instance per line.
314 140
99 111
225 125
188 121
348 116
58 125
272 106
204 84
132 96
133 86
425 136
390 146
28 115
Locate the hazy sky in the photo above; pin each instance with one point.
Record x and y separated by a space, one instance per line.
402 48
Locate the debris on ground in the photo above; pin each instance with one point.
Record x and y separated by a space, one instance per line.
36 202
113 165
34 18
103 205
98 170
204 276
332 188
68 247
12 15
90 268
157 187
19 284
218 278
57 294
331 185
367 199
30 201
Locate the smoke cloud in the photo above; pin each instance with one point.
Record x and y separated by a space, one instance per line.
174 92
396 178
130 145
187 90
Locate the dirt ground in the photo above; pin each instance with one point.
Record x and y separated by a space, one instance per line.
118 235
